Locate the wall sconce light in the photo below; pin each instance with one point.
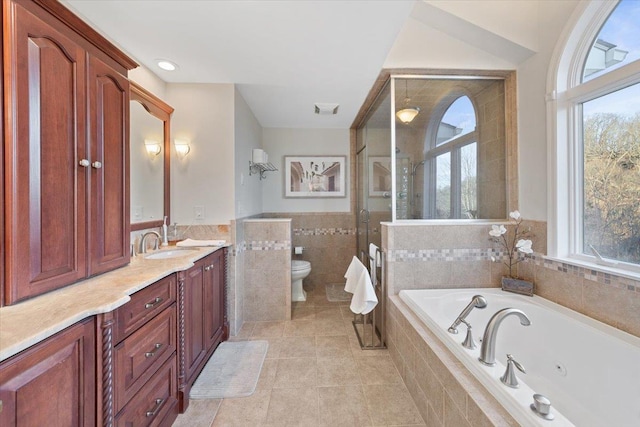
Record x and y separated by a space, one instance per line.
182 147
153 147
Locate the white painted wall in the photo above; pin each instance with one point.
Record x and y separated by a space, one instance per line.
299 142
248 135
532 121
148 80
204 115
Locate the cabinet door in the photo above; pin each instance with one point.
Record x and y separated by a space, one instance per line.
53 383
45 186
195 345
108 98
214 298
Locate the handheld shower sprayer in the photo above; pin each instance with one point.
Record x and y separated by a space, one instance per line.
478 301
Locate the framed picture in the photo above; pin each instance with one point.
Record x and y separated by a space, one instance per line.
314 176
379 176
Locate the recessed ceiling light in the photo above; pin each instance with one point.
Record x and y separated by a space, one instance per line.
166 65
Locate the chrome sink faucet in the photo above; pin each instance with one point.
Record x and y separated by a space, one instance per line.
143 241
488 349
478 301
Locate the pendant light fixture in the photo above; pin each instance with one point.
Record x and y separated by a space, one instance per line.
407 113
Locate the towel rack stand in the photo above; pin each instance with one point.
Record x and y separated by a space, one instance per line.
370 328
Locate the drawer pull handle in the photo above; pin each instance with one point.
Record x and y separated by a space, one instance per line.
156 301
155 409
84 163
208 267
153 352
96 165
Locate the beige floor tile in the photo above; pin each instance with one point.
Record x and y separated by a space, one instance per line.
300 328
337 371
357 351
301 313
275 346
298 347
391 405
200 413
267 374
332 346
343 406
330 327
329 312
268 330
293 407
245 331
297 372
378 370
244 411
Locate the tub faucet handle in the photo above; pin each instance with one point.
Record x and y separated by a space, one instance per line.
509 378
542 406
468 340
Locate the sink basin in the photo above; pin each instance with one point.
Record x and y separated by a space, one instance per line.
169 253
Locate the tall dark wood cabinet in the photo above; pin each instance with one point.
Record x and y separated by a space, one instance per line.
65 112
52 383
202 320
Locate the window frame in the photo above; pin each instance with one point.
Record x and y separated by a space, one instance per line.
565 95
452 146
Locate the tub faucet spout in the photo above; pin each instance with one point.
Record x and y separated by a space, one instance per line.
488 349
478 301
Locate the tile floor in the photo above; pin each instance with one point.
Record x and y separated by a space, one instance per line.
315 374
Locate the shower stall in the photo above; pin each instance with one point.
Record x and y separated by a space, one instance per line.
435 147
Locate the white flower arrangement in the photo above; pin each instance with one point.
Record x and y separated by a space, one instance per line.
515 243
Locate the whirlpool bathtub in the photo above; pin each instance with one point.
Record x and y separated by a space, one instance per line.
588 370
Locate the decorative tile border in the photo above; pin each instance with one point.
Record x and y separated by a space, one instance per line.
324 231
491 254
269 245
483 254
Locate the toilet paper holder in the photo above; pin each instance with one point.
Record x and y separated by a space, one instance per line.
298 250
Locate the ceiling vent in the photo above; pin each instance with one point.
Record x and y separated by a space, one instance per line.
326 109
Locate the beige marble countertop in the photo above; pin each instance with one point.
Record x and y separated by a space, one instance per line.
31 321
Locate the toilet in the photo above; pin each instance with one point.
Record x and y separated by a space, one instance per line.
299 270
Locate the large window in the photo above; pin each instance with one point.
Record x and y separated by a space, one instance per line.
454 158
599 217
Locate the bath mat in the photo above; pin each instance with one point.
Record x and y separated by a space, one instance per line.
335 293
232 371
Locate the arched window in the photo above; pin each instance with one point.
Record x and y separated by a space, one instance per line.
453 158
595 99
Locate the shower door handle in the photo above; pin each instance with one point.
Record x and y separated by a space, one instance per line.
364 216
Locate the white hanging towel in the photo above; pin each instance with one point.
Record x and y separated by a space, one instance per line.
374 254
359 284
195 243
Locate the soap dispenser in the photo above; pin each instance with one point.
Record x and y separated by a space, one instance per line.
164 233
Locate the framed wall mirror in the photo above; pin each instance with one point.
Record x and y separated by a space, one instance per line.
150 158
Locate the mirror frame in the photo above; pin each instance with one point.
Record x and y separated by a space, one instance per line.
161 110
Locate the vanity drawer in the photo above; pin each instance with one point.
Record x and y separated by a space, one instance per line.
139 356
154 403
144 305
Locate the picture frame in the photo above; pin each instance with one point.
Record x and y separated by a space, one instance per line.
315 176
379 176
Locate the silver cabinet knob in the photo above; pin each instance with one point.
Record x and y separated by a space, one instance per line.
96 165
84 163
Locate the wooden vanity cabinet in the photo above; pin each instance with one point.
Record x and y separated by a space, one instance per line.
53 382
203 324
145 375
66 124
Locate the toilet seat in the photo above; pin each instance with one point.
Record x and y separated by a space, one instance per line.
300 265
